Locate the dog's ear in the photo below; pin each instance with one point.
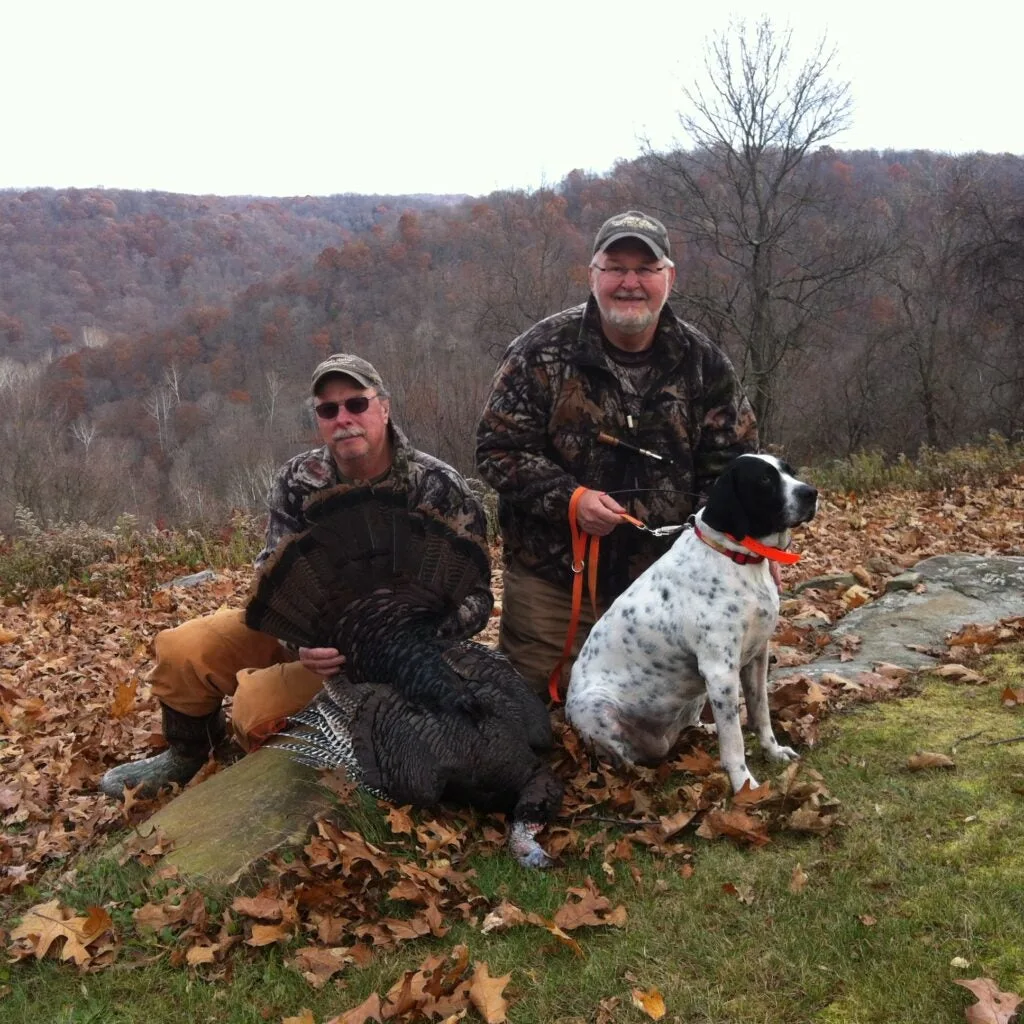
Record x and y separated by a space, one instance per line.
725 510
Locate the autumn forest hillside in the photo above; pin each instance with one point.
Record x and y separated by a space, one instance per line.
154 348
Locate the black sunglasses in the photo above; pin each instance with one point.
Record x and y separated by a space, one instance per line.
356 405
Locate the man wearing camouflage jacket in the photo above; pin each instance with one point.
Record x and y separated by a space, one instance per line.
621 397
206 659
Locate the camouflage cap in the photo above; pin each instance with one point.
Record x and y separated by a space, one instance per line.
634 224
352 366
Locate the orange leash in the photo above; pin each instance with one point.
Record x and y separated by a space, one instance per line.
580 556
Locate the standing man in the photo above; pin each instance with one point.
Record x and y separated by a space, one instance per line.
201 662
618 396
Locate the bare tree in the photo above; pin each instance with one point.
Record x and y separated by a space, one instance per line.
275 384
172 381
84 431
159 405
767 246
936 324
993 270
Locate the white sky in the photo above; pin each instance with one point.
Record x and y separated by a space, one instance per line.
304 97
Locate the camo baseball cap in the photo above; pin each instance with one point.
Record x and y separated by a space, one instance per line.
352 366
634 224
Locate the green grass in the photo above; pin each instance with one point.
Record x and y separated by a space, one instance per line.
935 858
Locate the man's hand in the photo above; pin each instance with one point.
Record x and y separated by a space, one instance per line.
598 513
324 661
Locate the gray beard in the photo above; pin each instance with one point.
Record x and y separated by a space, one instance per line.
630 324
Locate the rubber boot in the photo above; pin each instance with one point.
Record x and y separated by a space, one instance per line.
190 741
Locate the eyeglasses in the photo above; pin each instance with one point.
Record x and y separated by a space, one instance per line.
621 273
356 405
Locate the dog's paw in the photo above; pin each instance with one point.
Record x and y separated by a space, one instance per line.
780 753
740 779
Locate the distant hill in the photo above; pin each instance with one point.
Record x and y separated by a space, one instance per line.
116 261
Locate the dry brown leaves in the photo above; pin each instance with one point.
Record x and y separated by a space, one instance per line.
73 702
443 988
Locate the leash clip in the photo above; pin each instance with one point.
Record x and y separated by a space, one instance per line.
654 531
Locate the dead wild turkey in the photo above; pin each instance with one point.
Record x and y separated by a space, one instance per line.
414 718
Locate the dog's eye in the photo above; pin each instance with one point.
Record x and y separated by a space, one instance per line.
765 480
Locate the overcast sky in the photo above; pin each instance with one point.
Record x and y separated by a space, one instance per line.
300 98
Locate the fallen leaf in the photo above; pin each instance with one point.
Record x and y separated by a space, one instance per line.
993 1006
318 964
45 923
266 908
590 908
673 823
485 993
744 893
651 1002
697 762
400 821
368 1009
265 934
124 698
812 818
926 759
734 824
867 920
305 1017
798 880
959 673
7 637
855 596
201 955
890 671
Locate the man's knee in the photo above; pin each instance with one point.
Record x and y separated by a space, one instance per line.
197 662
265 697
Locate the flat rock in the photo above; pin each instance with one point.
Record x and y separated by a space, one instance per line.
955 590
193 580
220 828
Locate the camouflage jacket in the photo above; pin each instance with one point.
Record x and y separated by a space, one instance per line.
432 486
556 390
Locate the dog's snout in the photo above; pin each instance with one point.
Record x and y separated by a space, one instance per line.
807 501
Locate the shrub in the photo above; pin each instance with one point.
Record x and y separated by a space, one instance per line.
92 558
996 461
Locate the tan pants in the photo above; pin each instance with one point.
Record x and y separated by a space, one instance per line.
534 622
202 661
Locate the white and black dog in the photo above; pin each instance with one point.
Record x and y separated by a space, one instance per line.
695 625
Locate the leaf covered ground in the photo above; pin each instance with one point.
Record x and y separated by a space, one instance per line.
73 702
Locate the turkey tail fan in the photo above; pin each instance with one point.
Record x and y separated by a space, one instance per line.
361 540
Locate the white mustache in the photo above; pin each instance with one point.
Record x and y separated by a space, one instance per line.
629 295
346 432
